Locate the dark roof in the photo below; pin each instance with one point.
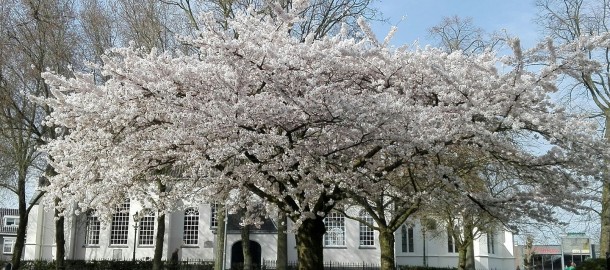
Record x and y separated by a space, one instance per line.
233 226
8 212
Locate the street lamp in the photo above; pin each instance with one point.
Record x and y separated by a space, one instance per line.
136 220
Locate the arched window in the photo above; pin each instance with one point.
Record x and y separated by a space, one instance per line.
367 235
335 230
191 227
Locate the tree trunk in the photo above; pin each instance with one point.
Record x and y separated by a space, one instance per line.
60 240
310 237
220 238
23 222
462 250
386 246
282 242
470 262
159 237
605 213
245 247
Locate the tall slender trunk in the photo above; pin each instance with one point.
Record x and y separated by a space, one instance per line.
386 246
245 247
282 242
23 222
60 239
310 238
220 238
605 213
159 237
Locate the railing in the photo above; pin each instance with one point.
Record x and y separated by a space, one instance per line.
8 229
270 265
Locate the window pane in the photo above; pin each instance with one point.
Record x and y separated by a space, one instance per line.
93 230
367 235
147 228
119 227
335 230
191 227
9 244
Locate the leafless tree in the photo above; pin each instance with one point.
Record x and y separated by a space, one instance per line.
566 21
461 34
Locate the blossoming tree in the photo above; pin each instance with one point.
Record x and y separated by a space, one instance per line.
301 124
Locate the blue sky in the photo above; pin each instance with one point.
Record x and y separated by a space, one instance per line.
515 16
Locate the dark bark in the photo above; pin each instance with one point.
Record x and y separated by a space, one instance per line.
310 237
245 247
60 240
386 245
220 238
23 222
159 237
282 242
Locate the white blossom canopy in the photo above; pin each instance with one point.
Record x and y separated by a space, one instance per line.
300 123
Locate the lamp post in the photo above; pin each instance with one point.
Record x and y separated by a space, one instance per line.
136 220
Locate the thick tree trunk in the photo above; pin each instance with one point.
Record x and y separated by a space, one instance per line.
310 237
23 222
604 238
470 262
462 250
386 245
282 242
245 247
219 252
159 237
60 239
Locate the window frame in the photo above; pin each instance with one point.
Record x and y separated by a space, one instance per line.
491 243
451 244
366 233
190 229
147 228
119 226
92 229
213 216
407 237
14 218
11 247
335 230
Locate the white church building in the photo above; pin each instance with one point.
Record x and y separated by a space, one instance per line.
191 235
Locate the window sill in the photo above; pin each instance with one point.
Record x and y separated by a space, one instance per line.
367 247
146 246
118 246
189 246
335 247
91 246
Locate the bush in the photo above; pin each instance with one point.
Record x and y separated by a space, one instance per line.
592 264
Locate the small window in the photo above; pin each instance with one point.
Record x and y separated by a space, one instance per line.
11 221
408 243
8 245
214 216
335 230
